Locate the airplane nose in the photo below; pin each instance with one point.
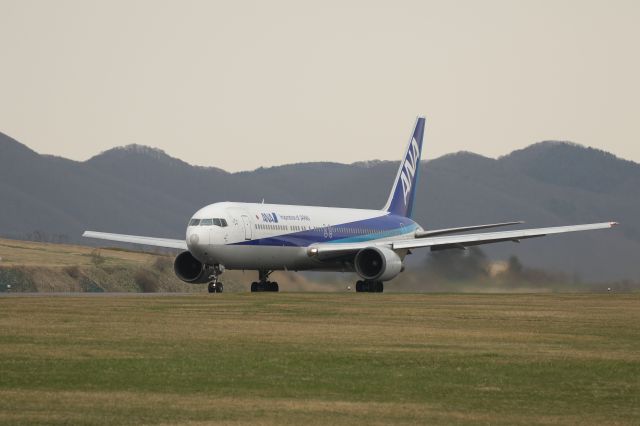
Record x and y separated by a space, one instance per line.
197 242
194 238
202 241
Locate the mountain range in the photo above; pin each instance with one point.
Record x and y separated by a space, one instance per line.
141 190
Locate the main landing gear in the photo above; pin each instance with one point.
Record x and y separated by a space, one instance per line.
216 286
263 284
369 286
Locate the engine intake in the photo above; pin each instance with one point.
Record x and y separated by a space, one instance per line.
378 264
191 270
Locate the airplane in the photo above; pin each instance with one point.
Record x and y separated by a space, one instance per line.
371 243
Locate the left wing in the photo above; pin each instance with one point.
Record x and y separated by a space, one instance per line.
329 250
135 239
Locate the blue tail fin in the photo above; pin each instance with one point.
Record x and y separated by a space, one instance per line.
404 188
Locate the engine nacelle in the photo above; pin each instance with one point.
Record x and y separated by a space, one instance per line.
378 264
191 270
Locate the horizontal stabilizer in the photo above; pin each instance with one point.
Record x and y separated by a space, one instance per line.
447 231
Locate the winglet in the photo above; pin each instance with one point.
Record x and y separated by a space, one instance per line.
402 194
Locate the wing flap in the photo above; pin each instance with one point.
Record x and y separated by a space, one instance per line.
136 239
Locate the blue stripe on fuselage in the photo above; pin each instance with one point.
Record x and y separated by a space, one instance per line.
375 228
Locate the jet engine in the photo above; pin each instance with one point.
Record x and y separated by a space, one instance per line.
191 270
378 264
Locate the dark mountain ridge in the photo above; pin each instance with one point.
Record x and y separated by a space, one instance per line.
142 190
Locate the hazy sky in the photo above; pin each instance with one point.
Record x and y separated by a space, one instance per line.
241 84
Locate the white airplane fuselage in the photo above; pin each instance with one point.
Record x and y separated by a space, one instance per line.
277 237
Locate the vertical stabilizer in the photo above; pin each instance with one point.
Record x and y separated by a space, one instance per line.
403 192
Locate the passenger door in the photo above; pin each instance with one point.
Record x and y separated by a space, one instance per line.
247 227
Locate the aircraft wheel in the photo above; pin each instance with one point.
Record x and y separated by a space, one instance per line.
254 287
273 286
211 288
379 287
358 286
219 288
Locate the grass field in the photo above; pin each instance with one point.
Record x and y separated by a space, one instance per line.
320 359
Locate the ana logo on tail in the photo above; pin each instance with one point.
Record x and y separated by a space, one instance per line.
409 168
403 191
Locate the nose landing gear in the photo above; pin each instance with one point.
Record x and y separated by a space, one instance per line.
216 286
263 284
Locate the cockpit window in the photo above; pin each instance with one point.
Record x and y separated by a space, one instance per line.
208 222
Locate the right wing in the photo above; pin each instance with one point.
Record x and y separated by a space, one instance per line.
135 239
462 241
333 250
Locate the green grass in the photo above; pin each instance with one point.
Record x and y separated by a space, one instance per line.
320 359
